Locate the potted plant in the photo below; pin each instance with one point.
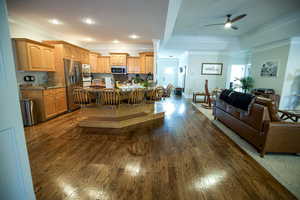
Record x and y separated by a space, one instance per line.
247 83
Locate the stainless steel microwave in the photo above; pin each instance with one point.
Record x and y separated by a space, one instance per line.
119 69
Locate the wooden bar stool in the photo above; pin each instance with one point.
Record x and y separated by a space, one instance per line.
136 96
110 97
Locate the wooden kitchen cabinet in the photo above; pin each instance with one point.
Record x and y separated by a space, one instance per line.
67 51
149 64
146 62
118 59
33 56
133 65
49 106
60 100
104 65
85 57
64 50
48 102
76 53
48 58
71 52
94 62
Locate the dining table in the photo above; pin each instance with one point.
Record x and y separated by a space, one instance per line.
124 91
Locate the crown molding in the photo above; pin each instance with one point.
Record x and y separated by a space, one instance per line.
272 45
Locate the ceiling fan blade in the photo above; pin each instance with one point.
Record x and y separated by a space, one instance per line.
234 27
238 18
214 25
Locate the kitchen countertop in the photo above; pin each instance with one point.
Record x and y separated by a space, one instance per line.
40 87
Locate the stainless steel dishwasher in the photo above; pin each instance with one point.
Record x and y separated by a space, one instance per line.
28 109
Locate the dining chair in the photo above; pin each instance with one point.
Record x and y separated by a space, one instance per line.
110 97
168 90
81 97
150 95
136 96
155 94
159 92
201 94
207 100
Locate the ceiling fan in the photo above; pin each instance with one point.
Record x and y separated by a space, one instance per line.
229 22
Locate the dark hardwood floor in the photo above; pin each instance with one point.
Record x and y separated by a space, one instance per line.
185 158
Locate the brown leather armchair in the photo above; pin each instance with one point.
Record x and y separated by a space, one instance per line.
261 126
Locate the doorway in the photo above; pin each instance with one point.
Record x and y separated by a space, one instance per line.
237 72
167 72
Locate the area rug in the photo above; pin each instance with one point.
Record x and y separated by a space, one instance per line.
284 168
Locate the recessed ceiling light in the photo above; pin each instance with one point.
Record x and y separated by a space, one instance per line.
88 21
88 39
55 21
116 41
134 36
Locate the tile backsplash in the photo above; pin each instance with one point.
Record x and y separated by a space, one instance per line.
40 77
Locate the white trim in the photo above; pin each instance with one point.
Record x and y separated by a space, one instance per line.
173 10
271 45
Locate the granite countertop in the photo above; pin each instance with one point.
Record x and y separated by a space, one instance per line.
44 87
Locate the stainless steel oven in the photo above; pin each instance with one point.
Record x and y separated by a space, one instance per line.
118 69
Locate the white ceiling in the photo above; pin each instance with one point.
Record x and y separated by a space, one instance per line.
115 19
194 14
189 33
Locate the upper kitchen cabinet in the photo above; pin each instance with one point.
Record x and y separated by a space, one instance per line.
85 57
69 51
76 53
118 59
33 56
104 65
72 52
133 65
64 50
146 62
94 62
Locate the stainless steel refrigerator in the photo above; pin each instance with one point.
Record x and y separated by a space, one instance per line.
73 78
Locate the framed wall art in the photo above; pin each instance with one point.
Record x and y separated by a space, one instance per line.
211 68
269 69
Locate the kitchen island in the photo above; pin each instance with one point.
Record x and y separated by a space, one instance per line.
125 116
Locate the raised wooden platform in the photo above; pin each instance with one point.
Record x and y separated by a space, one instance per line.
116 118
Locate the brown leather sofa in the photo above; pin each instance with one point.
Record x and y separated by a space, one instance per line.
261 126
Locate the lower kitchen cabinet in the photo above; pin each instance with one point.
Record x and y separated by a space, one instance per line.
48 102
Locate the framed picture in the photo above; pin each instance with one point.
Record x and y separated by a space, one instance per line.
212 68
269 69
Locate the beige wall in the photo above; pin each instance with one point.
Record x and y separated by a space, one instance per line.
195 81
259 57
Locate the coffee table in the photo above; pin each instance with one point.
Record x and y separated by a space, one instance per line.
293 115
